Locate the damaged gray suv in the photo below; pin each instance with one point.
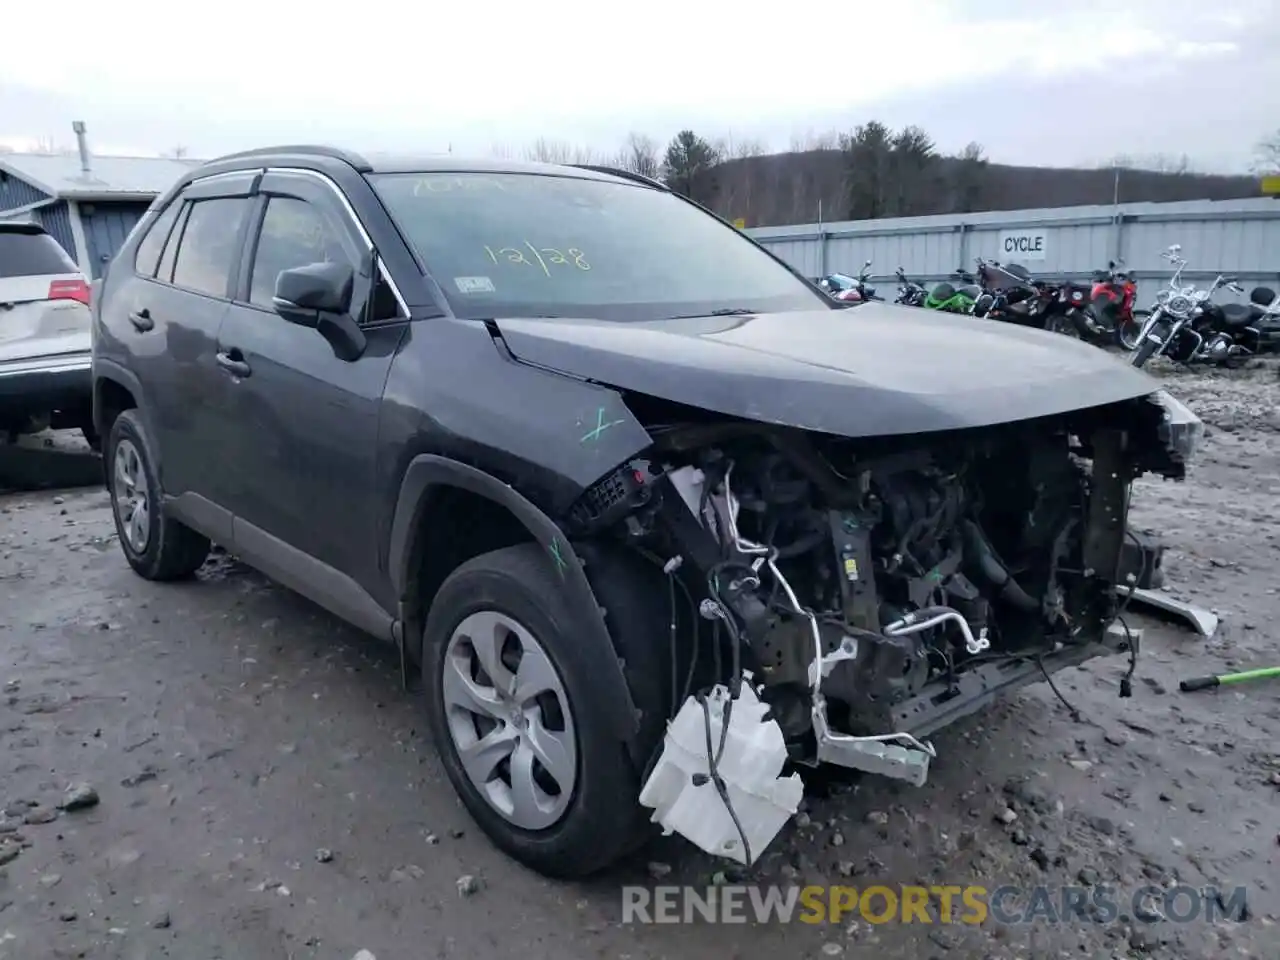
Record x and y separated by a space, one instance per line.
653 520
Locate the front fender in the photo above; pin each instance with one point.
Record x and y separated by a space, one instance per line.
428 471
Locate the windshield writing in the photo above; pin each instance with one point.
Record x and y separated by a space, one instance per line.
536 245
542 256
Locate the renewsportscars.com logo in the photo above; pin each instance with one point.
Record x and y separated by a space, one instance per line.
941 904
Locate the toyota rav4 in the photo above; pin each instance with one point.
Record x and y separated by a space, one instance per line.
653 520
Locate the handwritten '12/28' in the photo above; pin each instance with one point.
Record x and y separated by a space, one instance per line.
541 257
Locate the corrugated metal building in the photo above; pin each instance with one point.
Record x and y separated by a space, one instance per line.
1236 237
88 204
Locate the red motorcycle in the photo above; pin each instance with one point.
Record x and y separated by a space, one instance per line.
1110 312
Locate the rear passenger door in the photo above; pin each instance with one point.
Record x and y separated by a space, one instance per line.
174 321
301 429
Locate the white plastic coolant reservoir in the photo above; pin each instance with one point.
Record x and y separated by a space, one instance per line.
753 756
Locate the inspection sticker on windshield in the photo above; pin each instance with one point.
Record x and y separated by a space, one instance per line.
473 284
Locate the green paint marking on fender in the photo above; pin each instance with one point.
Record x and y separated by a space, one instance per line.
601 427
555 550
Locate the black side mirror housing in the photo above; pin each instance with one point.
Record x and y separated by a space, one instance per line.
318 296
304 293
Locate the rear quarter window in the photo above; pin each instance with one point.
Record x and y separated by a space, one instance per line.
26 254
147 258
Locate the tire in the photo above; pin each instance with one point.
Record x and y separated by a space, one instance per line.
596 821
168 550
1063 326
1144 352
92 438
1127 332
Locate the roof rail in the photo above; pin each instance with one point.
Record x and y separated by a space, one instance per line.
305 149
624 174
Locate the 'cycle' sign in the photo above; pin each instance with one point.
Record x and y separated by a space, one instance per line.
1017 245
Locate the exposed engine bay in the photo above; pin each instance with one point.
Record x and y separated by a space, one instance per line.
869 592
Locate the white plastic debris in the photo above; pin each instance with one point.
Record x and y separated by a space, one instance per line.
754 754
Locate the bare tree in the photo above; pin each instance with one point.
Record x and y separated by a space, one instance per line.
815 141
1267 155
543 150
558 151
176 153
1153 162
640 155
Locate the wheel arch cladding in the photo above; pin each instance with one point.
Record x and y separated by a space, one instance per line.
432 482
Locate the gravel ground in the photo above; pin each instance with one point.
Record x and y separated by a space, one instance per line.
258 786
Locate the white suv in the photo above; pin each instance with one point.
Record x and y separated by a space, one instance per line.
44 336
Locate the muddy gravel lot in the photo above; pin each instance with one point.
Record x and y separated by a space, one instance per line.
243 777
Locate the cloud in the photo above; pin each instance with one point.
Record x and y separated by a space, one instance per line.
424 76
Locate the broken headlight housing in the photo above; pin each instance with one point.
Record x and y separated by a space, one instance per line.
1180 429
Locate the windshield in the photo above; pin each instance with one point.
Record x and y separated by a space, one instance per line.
532 245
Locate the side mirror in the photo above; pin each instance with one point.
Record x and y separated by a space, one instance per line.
304 293
318 296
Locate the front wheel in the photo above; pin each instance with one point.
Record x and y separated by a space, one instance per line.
519 721
1144 353
1128 331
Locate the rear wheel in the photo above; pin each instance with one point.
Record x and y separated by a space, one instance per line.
520 722
157 546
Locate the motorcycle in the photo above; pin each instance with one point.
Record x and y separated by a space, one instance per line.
1110 314
1067 308
1008 293
843 287
1188 327
910 293
957 297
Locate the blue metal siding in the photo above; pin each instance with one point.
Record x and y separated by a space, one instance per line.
105 227
56 220
16 193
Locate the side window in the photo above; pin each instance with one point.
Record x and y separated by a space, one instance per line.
294 234
210 245
165 270
147 258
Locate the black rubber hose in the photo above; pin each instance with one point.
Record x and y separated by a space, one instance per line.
983 554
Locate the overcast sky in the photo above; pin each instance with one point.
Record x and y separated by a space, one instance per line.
1055 82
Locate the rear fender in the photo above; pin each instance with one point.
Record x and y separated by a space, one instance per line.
109 371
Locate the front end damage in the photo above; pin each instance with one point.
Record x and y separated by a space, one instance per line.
848 598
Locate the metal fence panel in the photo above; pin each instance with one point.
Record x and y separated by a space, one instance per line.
1239 237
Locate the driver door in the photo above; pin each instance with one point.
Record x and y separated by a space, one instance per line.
302 424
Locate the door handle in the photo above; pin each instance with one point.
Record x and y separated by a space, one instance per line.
141 320
234 364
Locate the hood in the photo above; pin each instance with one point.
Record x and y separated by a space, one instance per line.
872 370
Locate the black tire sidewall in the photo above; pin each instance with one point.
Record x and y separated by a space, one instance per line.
128 426
603 816
1144 352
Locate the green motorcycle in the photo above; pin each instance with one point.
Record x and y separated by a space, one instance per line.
954 297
